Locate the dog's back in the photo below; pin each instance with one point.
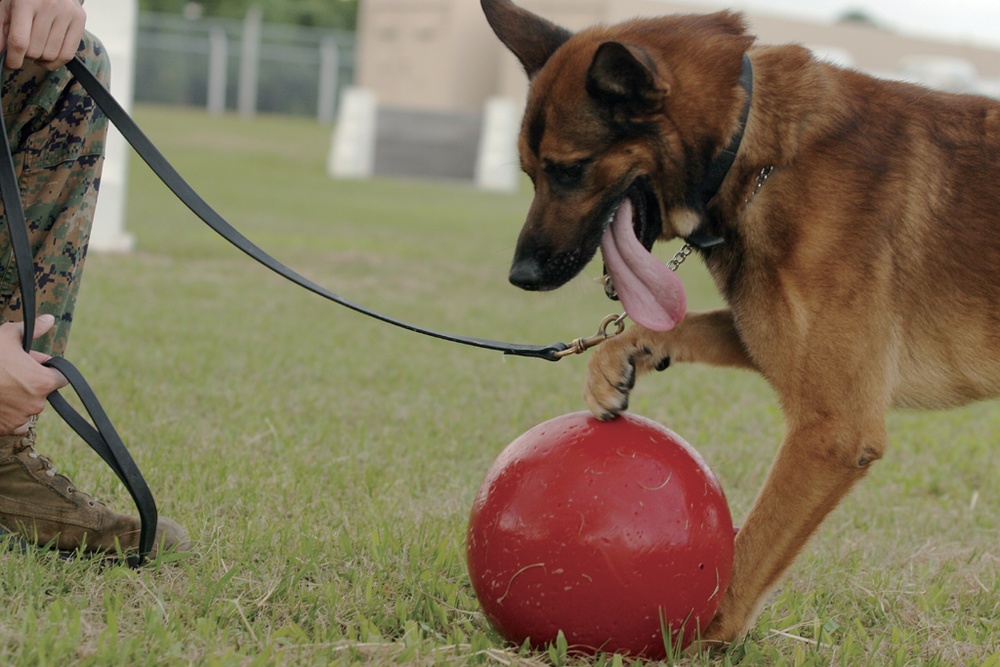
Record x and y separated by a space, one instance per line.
887 197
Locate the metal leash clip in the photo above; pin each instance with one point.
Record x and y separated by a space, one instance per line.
581 345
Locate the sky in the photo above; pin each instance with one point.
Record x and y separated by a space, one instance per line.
974 21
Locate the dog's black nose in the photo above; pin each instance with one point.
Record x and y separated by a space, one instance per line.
526 274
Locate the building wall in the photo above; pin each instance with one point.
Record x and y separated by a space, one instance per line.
872 49
441 55
435 55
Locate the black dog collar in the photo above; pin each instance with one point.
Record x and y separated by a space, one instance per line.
702 238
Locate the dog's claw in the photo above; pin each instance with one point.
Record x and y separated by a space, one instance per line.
611 415
628 382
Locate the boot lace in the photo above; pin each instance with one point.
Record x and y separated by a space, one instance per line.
50 471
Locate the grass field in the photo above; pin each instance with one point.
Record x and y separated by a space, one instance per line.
325 464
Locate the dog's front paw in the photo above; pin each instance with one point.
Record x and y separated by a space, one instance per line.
608 385
613 369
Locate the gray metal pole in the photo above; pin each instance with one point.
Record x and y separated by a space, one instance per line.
329 71
218 61
250 62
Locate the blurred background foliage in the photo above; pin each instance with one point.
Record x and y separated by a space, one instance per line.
340 14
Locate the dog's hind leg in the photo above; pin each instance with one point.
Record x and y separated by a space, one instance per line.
822 457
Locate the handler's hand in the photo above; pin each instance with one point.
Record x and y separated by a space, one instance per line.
24 381
46 31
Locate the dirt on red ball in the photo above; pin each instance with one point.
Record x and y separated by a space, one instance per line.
610 532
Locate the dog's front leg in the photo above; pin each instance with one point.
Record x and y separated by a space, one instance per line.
835 430
709 337
824 454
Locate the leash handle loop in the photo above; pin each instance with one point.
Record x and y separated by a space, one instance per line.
104 439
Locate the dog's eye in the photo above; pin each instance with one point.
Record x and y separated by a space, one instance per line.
565 176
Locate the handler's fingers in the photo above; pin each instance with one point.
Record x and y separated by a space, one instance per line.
18 37
63 40
47 40
43 324
50 35
15 330
40 357
58 380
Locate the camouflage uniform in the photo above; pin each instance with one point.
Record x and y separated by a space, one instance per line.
57 137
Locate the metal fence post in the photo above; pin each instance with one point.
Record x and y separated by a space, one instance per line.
218 61
244 65
250 62
329 68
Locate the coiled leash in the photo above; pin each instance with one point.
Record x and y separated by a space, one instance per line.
101 435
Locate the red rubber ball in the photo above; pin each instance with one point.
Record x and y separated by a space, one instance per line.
607 531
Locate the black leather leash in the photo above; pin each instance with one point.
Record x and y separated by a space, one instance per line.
173 180
101 436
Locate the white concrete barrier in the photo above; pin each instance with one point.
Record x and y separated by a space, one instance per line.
352 151
497 165
114 22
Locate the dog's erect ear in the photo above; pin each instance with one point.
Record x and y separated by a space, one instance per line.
528 36
622 77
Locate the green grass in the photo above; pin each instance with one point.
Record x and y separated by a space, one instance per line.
325 464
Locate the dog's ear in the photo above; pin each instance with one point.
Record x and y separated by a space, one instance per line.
622 77
528 36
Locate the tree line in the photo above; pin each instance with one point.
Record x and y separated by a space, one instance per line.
340 14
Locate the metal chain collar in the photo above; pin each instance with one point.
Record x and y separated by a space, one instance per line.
761 179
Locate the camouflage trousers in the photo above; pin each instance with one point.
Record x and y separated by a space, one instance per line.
57 137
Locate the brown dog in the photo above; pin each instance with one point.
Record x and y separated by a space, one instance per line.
859 222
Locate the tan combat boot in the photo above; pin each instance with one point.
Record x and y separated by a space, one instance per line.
45 508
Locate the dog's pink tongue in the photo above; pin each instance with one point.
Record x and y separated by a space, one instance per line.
652 294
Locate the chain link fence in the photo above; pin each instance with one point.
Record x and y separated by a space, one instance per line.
243 65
